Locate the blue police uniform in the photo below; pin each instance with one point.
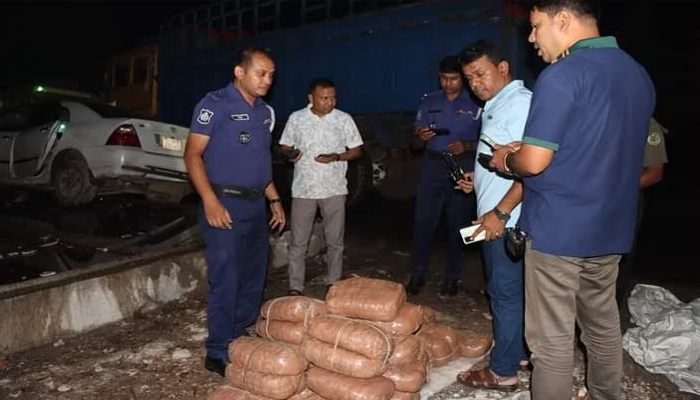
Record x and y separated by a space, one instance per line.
237 155
436 191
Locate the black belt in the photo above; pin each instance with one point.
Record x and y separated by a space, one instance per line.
437 155
237 191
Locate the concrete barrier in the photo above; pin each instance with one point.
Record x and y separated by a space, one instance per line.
39 312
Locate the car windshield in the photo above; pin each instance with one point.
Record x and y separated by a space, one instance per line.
108 111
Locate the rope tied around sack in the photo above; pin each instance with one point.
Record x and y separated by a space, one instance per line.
348 321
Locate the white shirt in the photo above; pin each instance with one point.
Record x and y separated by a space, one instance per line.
312 135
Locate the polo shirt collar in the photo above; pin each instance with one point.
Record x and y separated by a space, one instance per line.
236 95
591 43
513 85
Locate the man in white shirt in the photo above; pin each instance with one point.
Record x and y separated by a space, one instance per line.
326 139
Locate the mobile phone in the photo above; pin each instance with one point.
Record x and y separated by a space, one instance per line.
468 231
438 131
489 142
485 159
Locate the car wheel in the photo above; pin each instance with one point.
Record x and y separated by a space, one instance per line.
360 177
71 184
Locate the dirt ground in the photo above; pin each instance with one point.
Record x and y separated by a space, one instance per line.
159 354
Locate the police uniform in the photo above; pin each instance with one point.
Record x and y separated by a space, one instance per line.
238 165
436 192
654 154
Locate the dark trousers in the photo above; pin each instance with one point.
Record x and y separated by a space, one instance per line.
627 263
505 287
436 195
236 267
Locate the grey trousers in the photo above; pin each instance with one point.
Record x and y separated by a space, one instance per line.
302 222
560 291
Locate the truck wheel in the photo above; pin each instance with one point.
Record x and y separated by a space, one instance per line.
71 183
360 177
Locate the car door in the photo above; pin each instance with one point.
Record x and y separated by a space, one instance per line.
11 124
32 146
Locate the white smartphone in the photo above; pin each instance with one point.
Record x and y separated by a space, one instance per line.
489 142
468 231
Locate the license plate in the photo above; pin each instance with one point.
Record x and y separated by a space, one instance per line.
173 144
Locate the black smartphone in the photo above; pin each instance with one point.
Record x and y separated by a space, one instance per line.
485 159
438 131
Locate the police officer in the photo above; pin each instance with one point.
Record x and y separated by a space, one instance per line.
229 162
655 158
447 121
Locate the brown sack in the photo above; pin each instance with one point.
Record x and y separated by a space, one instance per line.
292 309
405 396
262 355
342 361
277 387
472 344
441 343
372 299
283 331
429 315
230 393
407 377
358 336
306 394
406 322
334 386
406 349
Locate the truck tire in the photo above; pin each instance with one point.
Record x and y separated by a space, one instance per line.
359 178
71 183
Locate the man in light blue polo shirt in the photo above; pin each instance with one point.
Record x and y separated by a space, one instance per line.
581 158
498 207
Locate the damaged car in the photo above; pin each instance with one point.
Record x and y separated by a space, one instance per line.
81 149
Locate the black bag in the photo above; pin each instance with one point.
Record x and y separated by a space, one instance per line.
516 239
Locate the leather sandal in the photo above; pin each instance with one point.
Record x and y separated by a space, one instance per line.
484 379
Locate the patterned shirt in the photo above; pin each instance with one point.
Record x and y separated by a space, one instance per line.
313 135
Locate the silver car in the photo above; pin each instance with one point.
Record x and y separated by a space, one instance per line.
79 149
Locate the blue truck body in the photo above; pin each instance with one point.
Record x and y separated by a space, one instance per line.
381 61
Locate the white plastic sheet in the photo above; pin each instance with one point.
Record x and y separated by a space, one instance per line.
667 337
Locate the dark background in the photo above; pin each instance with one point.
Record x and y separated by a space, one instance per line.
68 44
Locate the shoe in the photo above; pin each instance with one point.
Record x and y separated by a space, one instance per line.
414 285
485 379
294 292
449 288
217 365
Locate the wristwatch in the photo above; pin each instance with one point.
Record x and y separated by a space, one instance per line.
503 216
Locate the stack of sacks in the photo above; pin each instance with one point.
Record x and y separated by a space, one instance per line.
270 369
348 351
408 365
287 319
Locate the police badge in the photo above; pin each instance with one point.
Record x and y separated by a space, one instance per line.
244 137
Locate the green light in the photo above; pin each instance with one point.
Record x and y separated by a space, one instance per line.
62 127
39 89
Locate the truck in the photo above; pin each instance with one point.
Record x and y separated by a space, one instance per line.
382 55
